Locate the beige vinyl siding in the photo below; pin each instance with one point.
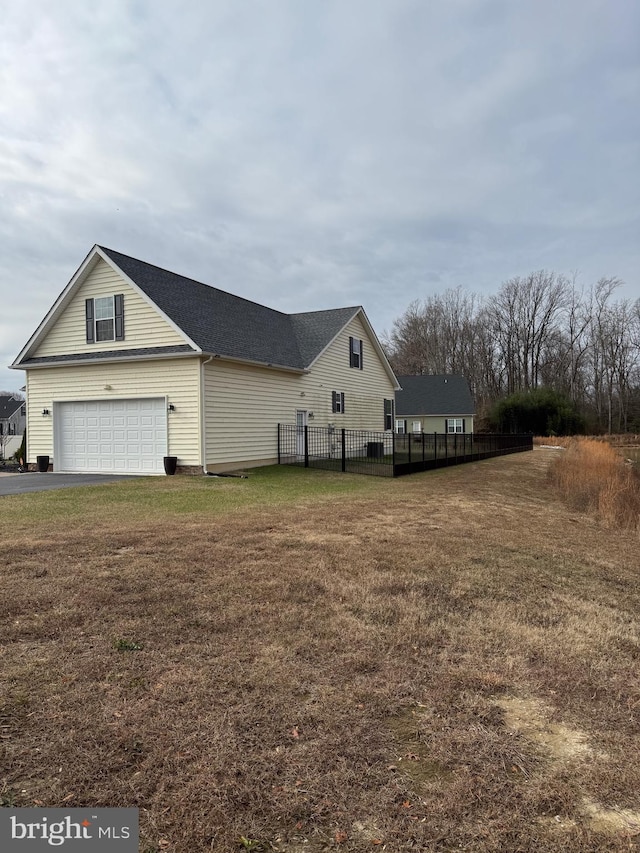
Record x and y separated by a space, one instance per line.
243 407
178 379
143 325
364 390
245 404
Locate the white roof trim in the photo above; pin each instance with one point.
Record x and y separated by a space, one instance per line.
267 365
148 300
65 297
80 362
374 339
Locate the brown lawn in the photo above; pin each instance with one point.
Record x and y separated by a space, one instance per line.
449 661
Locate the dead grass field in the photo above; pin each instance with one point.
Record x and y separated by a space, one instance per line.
449 661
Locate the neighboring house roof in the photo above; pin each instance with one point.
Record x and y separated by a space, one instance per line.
212 321
434 395
9 406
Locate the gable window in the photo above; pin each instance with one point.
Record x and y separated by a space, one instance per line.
455 424
105 318
337 402
355 353
388 414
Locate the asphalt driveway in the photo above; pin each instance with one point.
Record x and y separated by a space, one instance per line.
18 484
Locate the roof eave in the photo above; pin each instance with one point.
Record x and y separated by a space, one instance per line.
359 310
75 362
61 302
255 363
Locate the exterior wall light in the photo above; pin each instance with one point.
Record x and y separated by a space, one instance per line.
171 407
45 412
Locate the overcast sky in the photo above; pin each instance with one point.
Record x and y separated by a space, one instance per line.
311 154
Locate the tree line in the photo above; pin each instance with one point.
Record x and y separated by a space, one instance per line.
538 331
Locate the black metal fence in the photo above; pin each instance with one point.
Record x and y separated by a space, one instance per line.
389 454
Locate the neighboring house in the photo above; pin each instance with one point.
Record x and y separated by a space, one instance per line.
13 419
441 404
134 363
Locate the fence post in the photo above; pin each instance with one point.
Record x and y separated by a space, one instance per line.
344 449
279 425
306 446
393 451
435 447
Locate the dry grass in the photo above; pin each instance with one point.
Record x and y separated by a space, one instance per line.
444 662
627 439
592 476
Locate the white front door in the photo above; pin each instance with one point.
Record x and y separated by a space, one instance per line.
301 422
115 436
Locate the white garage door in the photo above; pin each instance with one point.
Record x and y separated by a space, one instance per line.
116 436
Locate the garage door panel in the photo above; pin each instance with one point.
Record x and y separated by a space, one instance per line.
129 436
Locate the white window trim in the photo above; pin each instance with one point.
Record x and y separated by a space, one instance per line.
454 425
356 353
97 319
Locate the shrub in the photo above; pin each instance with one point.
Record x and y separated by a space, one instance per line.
21 452
541 411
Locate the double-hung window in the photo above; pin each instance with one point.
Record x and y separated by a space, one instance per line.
337 402
455 425
355 353
104 317
388 414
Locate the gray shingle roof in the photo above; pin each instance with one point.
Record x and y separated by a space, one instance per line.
9 406
223 324
434 395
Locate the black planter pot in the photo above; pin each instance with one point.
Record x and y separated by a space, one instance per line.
43 463
170 463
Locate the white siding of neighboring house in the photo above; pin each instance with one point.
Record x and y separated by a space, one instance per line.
178 379
435 423
245 404
143 325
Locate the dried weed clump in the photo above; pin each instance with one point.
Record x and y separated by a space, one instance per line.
591 476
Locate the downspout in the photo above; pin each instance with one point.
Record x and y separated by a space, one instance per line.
203 421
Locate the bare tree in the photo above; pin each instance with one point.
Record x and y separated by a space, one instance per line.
525 313
538 330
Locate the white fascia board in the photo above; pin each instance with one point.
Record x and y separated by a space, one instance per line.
148 300
300 371
379 350
58 306
322 351
65 297
376 345
93 362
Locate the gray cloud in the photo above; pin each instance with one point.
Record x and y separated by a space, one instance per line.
310 155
